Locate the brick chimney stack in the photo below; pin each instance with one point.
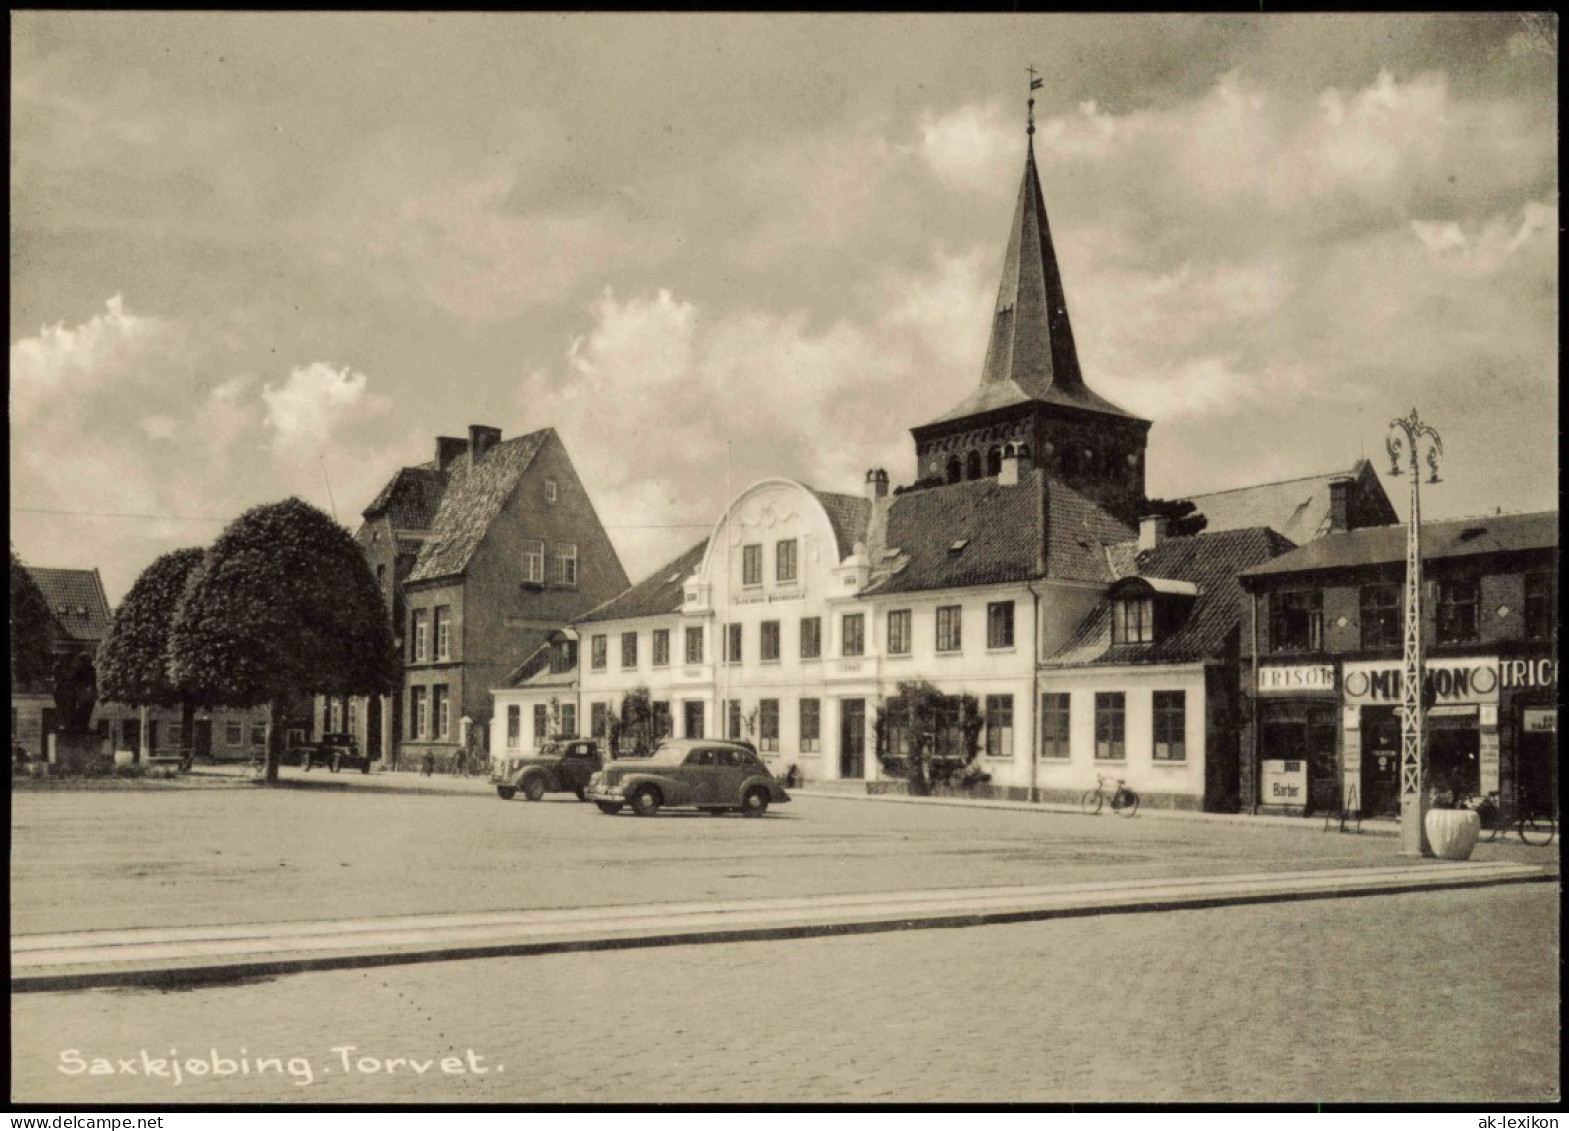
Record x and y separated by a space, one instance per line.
877 484
1152 531
1340 504
482 438
449 448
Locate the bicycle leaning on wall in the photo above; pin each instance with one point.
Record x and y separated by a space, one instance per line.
1122 800
1533 825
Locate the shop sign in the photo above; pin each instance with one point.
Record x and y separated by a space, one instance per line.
1528 673
1540 720
1454 681
1302 677
1283 782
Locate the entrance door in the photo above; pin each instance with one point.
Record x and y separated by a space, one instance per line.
1380 762
693 711
1453 749
1536 785
852 738
201 746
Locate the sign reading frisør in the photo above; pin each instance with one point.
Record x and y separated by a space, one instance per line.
1296 678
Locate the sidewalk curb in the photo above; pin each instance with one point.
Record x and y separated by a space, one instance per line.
1369 827
221 972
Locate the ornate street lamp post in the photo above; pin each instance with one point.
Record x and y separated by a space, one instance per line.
1410 435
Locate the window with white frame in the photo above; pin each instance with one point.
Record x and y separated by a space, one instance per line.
694 644
999 624
784 560
733 643
441 710
234 732
1133 620
752 565
999 726
534 561
417 712
661 647
950 628
569 720
768 724
811 725
769 643
899 632
1055 720
541 723
629 649
599 652
852 637
1110 719
566 564
443 632
811 637
515 726
1170 726
420 634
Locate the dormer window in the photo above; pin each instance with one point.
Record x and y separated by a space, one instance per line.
1133 620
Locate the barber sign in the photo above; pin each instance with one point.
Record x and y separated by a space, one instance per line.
1283 782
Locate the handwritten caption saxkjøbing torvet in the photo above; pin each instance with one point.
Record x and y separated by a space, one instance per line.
348 1060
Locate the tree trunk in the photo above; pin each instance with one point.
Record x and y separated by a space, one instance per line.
187 733
275 737
143 752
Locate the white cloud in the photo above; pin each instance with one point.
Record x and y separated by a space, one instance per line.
316 399
61 365
973 148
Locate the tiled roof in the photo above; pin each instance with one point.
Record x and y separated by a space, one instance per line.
848 514
1455 538
657 595
412 498
474 496
76 598
979 532
1209 561
409 546
1297 508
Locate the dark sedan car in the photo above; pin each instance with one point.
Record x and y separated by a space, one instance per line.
694 773
562 765
335 751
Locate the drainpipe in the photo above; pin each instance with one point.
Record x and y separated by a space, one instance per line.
1253 712
1035 696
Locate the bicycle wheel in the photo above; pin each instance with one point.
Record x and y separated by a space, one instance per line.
1125 803
1538 830
1092 801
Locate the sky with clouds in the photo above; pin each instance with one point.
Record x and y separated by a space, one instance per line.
258 255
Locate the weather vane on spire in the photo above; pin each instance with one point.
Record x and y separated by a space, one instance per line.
1035 84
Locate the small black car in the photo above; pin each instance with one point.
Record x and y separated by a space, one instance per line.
561 765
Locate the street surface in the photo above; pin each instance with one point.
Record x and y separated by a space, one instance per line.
95 861
1428 997
1433 996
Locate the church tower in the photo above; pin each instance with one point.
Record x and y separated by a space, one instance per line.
1032 401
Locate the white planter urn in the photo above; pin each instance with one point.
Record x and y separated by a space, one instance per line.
1453 832
124 757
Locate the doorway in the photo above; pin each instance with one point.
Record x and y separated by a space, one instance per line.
852 738
1380 762
1536 761
692 713
373 728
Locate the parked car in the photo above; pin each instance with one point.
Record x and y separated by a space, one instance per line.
335 751
698 773
559 766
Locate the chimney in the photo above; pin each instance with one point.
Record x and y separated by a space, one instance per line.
1152 530
1340 504
877 484
1015 465
449 448
482 438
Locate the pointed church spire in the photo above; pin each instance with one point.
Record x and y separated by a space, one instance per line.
1032 339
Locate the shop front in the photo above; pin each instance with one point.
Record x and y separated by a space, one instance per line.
1298 710
1528 687
1461 725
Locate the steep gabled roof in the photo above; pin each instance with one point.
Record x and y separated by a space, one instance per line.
659 594
1296 508
411 498
474 495
979 532
1211 562
1031 355
77 601
1454 538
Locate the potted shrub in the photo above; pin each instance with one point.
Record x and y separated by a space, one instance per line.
1452 825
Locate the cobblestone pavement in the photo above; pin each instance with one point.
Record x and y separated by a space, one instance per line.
1428 997
83 861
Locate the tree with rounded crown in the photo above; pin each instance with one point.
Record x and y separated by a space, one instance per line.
32 627
283 606
133 660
